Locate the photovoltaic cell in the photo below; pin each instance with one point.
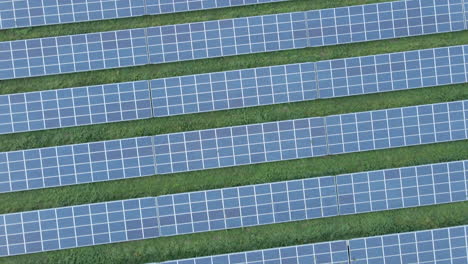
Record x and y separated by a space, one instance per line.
247 206
75 164
402 188
237 207
74 53
154 7
392 72
77 226
233 146
383 21
29 13
233 89
397 127
326 252
228 37
444 245
74 107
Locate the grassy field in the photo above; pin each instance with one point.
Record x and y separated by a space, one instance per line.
240 239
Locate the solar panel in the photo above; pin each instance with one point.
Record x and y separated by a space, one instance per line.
444 245
233 146
30 13
75 164
74 107
74 53
402 187
77 226
392 72
233 89
154 7
325 252
36 57
236 207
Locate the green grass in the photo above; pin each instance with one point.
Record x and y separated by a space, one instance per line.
248 238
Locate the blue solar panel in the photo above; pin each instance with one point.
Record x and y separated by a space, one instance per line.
74 107
75 53
383 21
154 7
402 188
228 37
77 226
233 89
392 72
444 245
29 13
237 207
75 164
397 127
327 252
233 146
247 206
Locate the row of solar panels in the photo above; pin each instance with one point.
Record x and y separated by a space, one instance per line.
94 51
237 207
437 246
30 13
233 146
232 89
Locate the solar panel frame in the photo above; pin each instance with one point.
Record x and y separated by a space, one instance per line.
74 107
